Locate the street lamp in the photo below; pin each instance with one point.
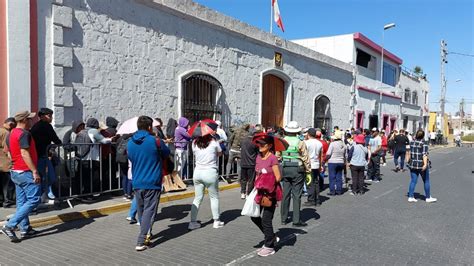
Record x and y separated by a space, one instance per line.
385 27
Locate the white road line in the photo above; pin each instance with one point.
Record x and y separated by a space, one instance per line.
433 170
462 157
388 192
450 163
284 240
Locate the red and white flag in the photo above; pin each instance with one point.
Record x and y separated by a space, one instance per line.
276 15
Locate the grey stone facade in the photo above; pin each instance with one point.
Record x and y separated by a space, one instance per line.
125 58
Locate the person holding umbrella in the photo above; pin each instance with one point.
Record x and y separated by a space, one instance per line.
206 152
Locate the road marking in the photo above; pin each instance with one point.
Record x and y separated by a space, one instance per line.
388 192
450 163
284 240
434 170
462 157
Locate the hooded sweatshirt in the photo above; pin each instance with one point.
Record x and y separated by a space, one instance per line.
143 153
181 136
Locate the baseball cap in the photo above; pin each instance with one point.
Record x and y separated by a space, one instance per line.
45 111
374 129
312 132
23 115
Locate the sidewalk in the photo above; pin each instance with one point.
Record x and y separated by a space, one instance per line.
105 205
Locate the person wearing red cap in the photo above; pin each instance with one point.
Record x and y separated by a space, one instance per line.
357 157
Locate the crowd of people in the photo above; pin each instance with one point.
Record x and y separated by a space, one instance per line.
278 164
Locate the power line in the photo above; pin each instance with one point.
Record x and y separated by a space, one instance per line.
471 55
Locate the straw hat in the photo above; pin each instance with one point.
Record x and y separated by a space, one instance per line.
293 127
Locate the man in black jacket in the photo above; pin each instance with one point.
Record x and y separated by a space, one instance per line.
44 134
248 154
400 143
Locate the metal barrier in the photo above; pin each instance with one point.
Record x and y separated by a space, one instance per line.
94 173
98 172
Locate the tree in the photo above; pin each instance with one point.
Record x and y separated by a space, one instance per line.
418 70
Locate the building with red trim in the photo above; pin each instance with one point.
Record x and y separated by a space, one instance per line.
398 100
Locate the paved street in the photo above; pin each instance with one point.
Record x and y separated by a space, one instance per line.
380 227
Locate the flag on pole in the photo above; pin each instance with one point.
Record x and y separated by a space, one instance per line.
276 15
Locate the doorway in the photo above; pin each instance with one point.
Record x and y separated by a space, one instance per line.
373 121
273 101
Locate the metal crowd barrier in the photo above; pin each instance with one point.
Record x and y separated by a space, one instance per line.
78 177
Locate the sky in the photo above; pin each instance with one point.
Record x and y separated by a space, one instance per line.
420 27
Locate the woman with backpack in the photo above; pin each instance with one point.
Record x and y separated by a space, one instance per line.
417 161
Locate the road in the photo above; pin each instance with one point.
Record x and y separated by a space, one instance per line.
380 227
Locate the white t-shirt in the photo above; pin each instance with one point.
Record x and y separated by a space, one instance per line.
314 150
206 158
432 135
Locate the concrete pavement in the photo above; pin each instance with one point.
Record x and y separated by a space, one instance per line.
380 227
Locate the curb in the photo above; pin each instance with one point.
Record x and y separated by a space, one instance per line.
107 210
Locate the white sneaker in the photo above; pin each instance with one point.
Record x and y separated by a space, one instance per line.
218 224
431 199
412 200
194 225
384 164
242 196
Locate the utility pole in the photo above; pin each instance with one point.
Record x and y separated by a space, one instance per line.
442 99
461 114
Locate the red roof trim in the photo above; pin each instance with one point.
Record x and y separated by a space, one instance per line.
378 92
377 48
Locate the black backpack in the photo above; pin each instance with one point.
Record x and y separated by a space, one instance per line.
83 138
121 155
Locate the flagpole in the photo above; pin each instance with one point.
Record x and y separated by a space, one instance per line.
271 16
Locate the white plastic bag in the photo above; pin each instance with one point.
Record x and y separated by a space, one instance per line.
251 208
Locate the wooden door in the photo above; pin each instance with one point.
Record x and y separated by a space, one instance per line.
273 101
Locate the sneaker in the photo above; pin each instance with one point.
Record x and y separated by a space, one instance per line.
266 252
10 234
431 199
218 224
277 241
242 196
384 164
147 241
194 225
28 233
352 193
412 200
140 247
375 181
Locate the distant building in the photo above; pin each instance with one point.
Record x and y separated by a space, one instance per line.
400 100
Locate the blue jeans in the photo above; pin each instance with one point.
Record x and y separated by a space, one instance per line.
401 155
133 209
48 175
335 176
28 197
126 183
425 176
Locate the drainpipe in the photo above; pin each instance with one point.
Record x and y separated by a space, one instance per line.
352 105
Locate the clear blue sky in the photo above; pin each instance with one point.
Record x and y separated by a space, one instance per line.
421 24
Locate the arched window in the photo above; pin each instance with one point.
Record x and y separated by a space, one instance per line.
414 98
322 112
407 95
201 94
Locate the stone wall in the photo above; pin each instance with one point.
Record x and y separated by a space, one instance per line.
125 58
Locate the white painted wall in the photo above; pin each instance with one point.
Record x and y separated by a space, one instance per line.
340 47
18 39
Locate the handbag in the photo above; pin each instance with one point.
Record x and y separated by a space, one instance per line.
251 208
266 201
167 164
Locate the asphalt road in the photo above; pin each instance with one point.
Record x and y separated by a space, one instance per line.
380 227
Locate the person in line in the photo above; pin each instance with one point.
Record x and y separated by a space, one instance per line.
357 158
375 147
400 143
417 159
324 143
267 162
296 165
145 153
336 157
25 175
44 135
234 146
206 151
248 156
221 137
315 151
433 138
124 166
8 188
181 138
383 152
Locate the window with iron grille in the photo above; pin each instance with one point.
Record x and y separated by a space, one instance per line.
322 115
201 94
